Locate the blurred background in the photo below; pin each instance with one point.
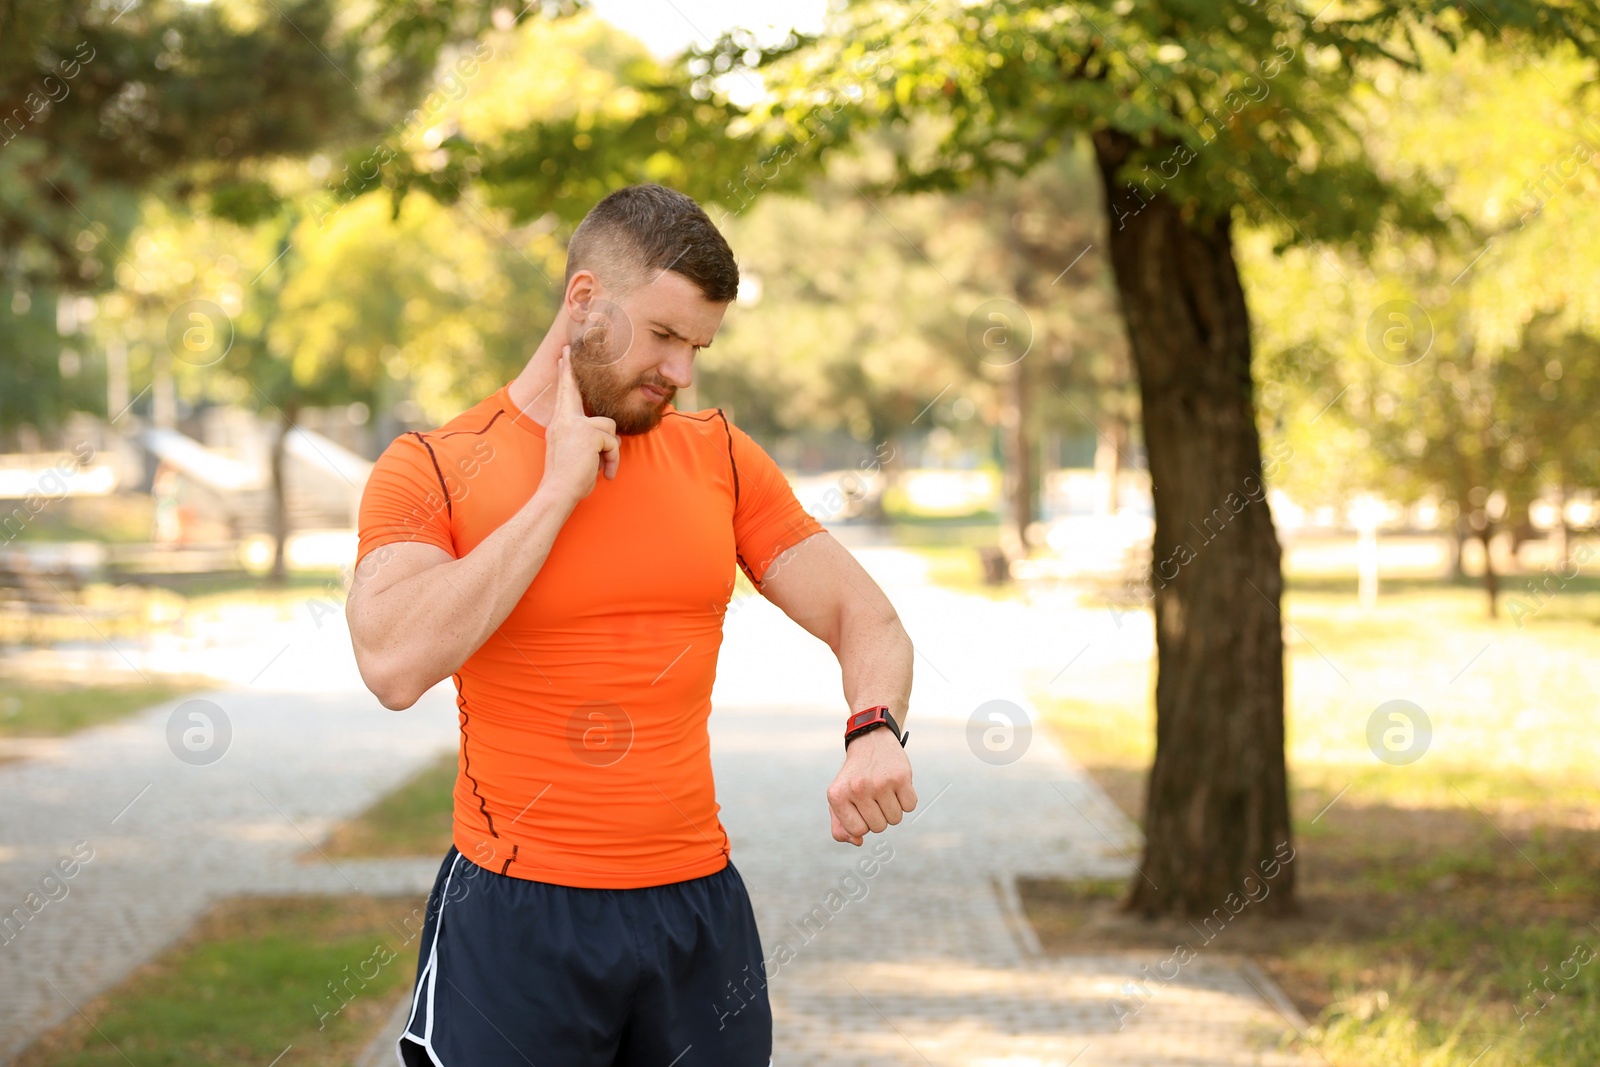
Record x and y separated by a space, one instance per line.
1278 325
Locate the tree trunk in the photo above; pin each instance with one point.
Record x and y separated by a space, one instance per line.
1491 580
1108 451
1560 536
1018 480
1217 812
280 503
1459 534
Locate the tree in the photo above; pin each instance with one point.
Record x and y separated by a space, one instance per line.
1450 369
99 105
111 112
1202 117
541 150
1045 231
105 105
1551 383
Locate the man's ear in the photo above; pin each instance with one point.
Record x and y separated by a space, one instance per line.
582 291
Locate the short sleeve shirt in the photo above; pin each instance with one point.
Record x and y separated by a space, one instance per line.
584 755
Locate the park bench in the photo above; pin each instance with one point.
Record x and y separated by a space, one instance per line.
34 594
31 596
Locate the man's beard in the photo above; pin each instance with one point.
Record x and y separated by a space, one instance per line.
607 393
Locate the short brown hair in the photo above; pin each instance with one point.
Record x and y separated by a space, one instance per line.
638 231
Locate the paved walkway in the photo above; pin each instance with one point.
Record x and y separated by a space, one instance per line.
934 964
168 838
927 961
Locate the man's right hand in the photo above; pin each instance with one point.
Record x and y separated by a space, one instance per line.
577 445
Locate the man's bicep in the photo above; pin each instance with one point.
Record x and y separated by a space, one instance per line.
392 563
817 581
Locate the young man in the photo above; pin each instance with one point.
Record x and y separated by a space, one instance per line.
587 914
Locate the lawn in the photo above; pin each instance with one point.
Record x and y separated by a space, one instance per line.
256 977
31 707
949 548
1436 896
413 819
34 704
957 568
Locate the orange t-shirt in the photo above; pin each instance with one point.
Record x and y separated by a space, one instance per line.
585 758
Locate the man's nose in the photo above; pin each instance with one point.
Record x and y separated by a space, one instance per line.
678 368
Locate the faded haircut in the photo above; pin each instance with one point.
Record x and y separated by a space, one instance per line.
628 238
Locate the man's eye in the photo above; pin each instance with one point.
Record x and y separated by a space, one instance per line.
661 335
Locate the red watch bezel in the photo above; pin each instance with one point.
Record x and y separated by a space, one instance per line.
867 717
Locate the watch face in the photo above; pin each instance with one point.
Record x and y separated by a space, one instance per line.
861 718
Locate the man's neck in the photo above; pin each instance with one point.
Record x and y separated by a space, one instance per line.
533 390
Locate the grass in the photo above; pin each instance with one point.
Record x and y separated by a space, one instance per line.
950 550
255 976
1433 894
958 569
40 708
411 820
945 533
938 528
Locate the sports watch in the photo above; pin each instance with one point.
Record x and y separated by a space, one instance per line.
870 719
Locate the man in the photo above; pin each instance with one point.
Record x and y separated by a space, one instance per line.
587 914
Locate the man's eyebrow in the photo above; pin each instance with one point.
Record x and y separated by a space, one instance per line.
675 333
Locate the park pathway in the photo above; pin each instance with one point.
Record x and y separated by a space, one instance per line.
169 838
930 962
924 961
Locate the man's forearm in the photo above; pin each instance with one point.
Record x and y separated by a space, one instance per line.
873 789
875 657
427 625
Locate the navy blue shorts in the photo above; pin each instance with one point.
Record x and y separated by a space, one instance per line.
513 972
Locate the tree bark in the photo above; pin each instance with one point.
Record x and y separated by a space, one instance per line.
1017 483
1459 534
1217 811
1491 579
1560 537
280 504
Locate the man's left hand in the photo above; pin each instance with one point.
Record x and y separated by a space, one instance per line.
873 789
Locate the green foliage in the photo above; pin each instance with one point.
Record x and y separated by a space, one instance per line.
1488 388
1281 118
596 112
101 104
1551 390
863 323
155 96
439 298
33 388
1226 107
